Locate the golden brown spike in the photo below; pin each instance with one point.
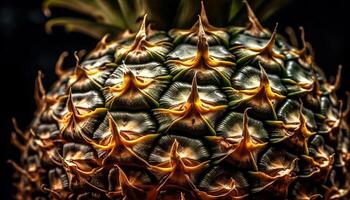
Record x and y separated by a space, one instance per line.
140 37
202 44
268 49
302 35
101 45
52 192
247 145
58 67
39 93
194 98
203 15
337 82
303 130
292 36
15 126
77 59
127 187
174 156
255 28
347 109
246 150
22 171
204 19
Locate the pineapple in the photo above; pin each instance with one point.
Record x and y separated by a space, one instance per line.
204 113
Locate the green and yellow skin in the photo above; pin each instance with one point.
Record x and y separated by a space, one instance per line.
204 113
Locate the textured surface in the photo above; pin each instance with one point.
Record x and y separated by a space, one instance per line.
205 113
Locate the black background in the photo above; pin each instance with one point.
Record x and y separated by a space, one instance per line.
25 48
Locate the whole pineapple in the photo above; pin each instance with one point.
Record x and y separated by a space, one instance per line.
203 113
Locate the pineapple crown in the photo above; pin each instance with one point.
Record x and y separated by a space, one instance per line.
114 17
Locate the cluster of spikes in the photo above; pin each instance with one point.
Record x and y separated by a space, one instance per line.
203 113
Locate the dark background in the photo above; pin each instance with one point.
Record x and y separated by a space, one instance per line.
25 48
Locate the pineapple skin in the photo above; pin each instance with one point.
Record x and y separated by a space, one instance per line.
204 113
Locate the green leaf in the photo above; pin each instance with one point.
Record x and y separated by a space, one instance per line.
83 26
100 10
186 12
131 12
235 7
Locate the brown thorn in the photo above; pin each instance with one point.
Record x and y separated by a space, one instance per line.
82 53
77 59
337 82
40 83
173 150
123 180
15 126
311 49
246 134
194 90
182 196
292 36
16 143
39 91
203 14
56 194
142 31
255 25
269 46
58 67
302 35
70 104
301 115
202 44
347 109
20 170
263 76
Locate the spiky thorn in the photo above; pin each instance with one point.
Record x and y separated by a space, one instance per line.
193 108
247 149
130 84
202 60
80 74
292 36
345 114
118 145
39 92
52 192
336 190
126 188
334 123
323 165
225 190
18 132
260 96
279 182
305 57
254 28
102 44
332 88
267 52
206 26
31 177
141 44
302 131
141 36
72 119
177 168
41 99
58 67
